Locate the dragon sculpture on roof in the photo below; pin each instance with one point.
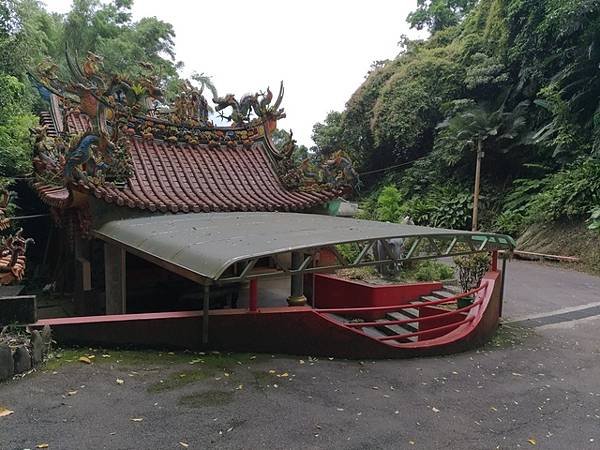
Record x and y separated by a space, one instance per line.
258 103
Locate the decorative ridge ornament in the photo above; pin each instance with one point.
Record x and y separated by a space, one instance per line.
312 174
258 103
116 139
12 247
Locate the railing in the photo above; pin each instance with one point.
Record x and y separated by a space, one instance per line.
459 311
406 306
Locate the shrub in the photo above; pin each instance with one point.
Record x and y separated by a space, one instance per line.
431 270
389 204
447 206
594 220
471 269
568 193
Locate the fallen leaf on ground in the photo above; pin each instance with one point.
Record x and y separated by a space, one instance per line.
137 419
532 441
42 446
184 444
435 410
5 412
119 381
72 392
85 359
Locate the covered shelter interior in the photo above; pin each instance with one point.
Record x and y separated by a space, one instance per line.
223 256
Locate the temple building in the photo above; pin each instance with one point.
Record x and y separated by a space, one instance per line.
168 223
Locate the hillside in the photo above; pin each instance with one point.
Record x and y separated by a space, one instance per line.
518 79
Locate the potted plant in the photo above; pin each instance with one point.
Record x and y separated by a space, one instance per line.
471 269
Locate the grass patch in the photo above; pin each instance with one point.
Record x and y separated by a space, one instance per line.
508 336
139 358
179 379
208 398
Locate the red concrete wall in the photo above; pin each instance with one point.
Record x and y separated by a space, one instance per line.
335 292
435 323
299 330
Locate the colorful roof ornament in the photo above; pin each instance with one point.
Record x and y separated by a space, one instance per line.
117 139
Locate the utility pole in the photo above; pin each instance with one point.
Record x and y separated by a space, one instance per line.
477 181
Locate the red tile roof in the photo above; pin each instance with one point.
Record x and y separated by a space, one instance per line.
192 178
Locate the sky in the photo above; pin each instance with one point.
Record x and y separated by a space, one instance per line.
321 49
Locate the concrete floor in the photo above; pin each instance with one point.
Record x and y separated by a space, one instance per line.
540 392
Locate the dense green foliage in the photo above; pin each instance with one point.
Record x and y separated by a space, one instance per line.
432 270
28 34
521 78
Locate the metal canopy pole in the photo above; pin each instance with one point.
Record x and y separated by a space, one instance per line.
206 298
297 297
502 284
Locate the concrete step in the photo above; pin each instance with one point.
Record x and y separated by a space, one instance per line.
451 288
428 298
337 318
373 332
409 327
397 329
443 293
403 315
407 312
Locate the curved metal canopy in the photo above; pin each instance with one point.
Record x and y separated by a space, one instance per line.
203 246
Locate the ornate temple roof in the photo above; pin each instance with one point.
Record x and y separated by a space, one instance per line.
118 140
177 177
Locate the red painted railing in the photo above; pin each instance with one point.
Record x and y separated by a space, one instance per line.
405 306
416 319
459 312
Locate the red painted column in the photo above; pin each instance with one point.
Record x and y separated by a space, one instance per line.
495 261
253 296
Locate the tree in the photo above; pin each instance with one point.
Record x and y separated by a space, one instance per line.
435 15
108 30
482 129
15 122
328 135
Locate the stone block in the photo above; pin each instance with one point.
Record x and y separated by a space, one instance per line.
20 309
37 348
7 365
47 338
22 359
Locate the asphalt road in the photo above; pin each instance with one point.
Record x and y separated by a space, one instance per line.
542 393
533 288
536 390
